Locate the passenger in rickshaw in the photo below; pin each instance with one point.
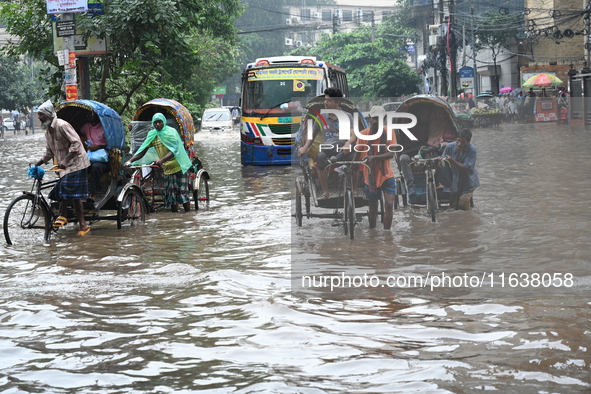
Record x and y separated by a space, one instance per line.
93 135
440 133
330 137
381 178
462 177
65 145
173 159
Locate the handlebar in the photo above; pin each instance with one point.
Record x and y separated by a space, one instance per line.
417 161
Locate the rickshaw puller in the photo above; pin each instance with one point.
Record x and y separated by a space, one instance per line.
63 143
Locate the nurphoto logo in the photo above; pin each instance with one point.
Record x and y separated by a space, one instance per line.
345 129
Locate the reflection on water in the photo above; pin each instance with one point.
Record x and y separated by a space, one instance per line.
201 301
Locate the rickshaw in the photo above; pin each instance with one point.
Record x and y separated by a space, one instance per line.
150 178
30 217
345 178
436 125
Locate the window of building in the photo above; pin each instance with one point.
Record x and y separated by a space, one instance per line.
326 15
305 14
367 16
347 16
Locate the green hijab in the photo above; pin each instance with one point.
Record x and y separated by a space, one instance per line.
171 139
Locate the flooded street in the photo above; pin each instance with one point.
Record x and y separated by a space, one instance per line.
203 301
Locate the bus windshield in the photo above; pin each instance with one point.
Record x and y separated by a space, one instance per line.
264 91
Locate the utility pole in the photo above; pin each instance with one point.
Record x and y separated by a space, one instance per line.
474 53
442 56
453 51
70 66
373 20
334 23
464 44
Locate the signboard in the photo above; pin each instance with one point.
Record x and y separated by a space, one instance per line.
71 92
92 47
65 28
63 6
467 77
287 73
219 90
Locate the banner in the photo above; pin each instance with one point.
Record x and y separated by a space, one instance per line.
71 92
287 73
65 6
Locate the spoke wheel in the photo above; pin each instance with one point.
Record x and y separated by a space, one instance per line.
298 202
201 193
307 199
432 201
349 214
26 222
131 209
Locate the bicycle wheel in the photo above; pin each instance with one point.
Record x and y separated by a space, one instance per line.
131 209
27 222
298 202
431 199
349 214
201 192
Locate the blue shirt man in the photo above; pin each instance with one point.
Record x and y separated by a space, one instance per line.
462 177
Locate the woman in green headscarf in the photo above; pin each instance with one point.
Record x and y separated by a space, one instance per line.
172 158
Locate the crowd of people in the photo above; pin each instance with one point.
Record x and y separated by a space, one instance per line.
520 107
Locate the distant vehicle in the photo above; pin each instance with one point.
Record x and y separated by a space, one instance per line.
217 119
274 92
7 124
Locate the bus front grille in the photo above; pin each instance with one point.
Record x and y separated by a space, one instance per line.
286 128
283 141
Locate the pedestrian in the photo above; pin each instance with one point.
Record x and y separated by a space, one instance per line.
173 159
17 124
64 145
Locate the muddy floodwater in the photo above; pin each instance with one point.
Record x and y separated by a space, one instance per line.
212 301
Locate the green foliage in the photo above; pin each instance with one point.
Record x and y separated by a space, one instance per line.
156 46
495 31
375 69
19 89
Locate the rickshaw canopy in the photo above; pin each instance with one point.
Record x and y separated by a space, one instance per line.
436 122
74 112
172 110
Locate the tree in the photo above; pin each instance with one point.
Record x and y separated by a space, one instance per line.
19 89
155 46
494 33
376 68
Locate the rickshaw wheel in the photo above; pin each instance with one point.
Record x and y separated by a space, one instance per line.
432 203
26 222
349 215
201 192
298 202
131 208
299 215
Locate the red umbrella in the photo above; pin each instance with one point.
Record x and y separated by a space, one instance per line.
461 95
542 81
